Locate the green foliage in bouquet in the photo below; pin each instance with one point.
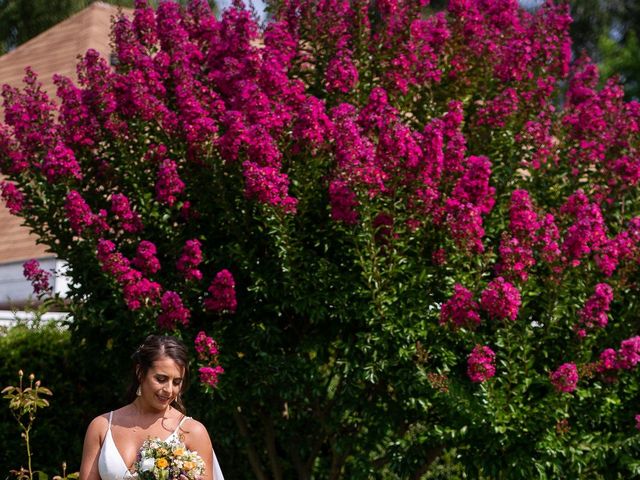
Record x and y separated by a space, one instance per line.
168 460
413 235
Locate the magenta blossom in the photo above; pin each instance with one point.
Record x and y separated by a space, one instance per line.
480 364
12 196
168 183
120 207
460 310
173 311
78 212
501 300
594 312
205 346
565 378
189 260
141 293
145 258
629 353
222 293
39 278
209 375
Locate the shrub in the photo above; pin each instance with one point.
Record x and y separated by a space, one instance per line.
359 203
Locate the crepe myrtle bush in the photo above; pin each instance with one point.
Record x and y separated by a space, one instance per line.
413 233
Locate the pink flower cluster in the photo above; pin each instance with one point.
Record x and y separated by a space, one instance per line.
629 353
120 207
460 310
210 375
268 185
343 202
222 293
594 312
61 162
190 258
168 183
80 216
517 247
206 347
173 311
481 364
501 300
565 378
146 259
13 197
588 232
39 278
603 128
137 290
207 350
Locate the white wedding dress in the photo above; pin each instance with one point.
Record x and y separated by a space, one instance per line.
111 466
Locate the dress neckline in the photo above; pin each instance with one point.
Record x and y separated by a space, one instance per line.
115 447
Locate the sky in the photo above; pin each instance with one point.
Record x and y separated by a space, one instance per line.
258 5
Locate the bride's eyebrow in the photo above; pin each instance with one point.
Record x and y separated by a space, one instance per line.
163 374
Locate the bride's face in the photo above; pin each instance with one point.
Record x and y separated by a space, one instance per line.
162 383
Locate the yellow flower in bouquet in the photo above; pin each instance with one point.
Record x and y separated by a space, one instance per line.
160 460
178 451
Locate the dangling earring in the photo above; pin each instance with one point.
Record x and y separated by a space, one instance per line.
138 391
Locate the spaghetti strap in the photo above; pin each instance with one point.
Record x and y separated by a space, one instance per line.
175 432
110 416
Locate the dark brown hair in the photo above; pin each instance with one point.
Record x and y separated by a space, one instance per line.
154 347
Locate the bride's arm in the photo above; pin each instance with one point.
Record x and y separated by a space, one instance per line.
197 439
91 449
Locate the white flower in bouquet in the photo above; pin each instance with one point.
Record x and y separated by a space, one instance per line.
159 460
147 464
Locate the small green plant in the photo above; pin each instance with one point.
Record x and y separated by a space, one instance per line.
24 402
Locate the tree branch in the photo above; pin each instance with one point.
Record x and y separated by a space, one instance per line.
432 455
254 458
270 442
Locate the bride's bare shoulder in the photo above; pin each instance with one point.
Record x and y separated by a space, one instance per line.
192 428
191 424
101 422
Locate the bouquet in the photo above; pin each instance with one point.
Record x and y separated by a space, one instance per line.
168 460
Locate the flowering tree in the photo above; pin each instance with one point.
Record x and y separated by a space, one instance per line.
413 234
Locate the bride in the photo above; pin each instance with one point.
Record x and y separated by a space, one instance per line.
112 441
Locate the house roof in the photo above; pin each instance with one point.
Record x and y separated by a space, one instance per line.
56 50
53 51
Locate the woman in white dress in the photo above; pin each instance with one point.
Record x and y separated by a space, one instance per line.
113 440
